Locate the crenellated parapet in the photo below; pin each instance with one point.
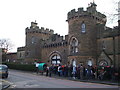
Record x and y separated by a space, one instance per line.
55 41
21 48
90 12
35 29
54 38
55 44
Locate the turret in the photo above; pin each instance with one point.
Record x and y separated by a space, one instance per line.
82 37
90 13
34 38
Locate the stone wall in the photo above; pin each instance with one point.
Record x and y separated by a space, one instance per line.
111 47
11 57
49 51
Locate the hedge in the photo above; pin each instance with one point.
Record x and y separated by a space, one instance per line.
24 67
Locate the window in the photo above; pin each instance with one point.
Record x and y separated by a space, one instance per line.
90 63
76 49
20 55
27 53
83 27
74 45
33 40
56 59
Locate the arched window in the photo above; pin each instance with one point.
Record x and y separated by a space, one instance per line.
83 27
55 59
103 63
74 45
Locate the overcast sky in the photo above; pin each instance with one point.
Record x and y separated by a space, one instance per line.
16 15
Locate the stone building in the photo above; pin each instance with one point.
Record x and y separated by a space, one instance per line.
89 41
11 57
20 54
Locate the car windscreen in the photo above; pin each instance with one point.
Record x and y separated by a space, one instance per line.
3 67
0 67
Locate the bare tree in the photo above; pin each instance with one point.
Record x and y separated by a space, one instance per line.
119 10
6 44
115 14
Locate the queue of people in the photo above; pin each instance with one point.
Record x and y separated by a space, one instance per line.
82 72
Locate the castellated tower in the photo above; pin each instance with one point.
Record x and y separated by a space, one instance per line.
34 38
83 34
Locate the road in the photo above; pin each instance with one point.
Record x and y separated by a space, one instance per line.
20 79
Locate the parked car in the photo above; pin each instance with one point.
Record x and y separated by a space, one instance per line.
3 71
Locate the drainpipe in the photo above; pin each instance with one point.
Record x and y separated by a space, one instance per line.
114 58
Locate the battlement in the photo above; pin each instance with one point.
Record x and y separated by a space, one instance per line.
56 38
46 30
35 29
90 12
21 49
55 44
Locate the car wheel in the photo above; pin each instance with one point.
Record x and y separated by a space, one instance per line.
6 76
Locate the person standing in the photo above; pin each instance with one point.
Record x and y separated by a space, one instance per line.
88 72
74 72
59 70
81 71
36 65
66 71
47 70
78 72
50 70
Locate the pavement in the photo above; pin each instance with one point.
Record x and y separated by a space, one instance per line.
4 84
108 82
